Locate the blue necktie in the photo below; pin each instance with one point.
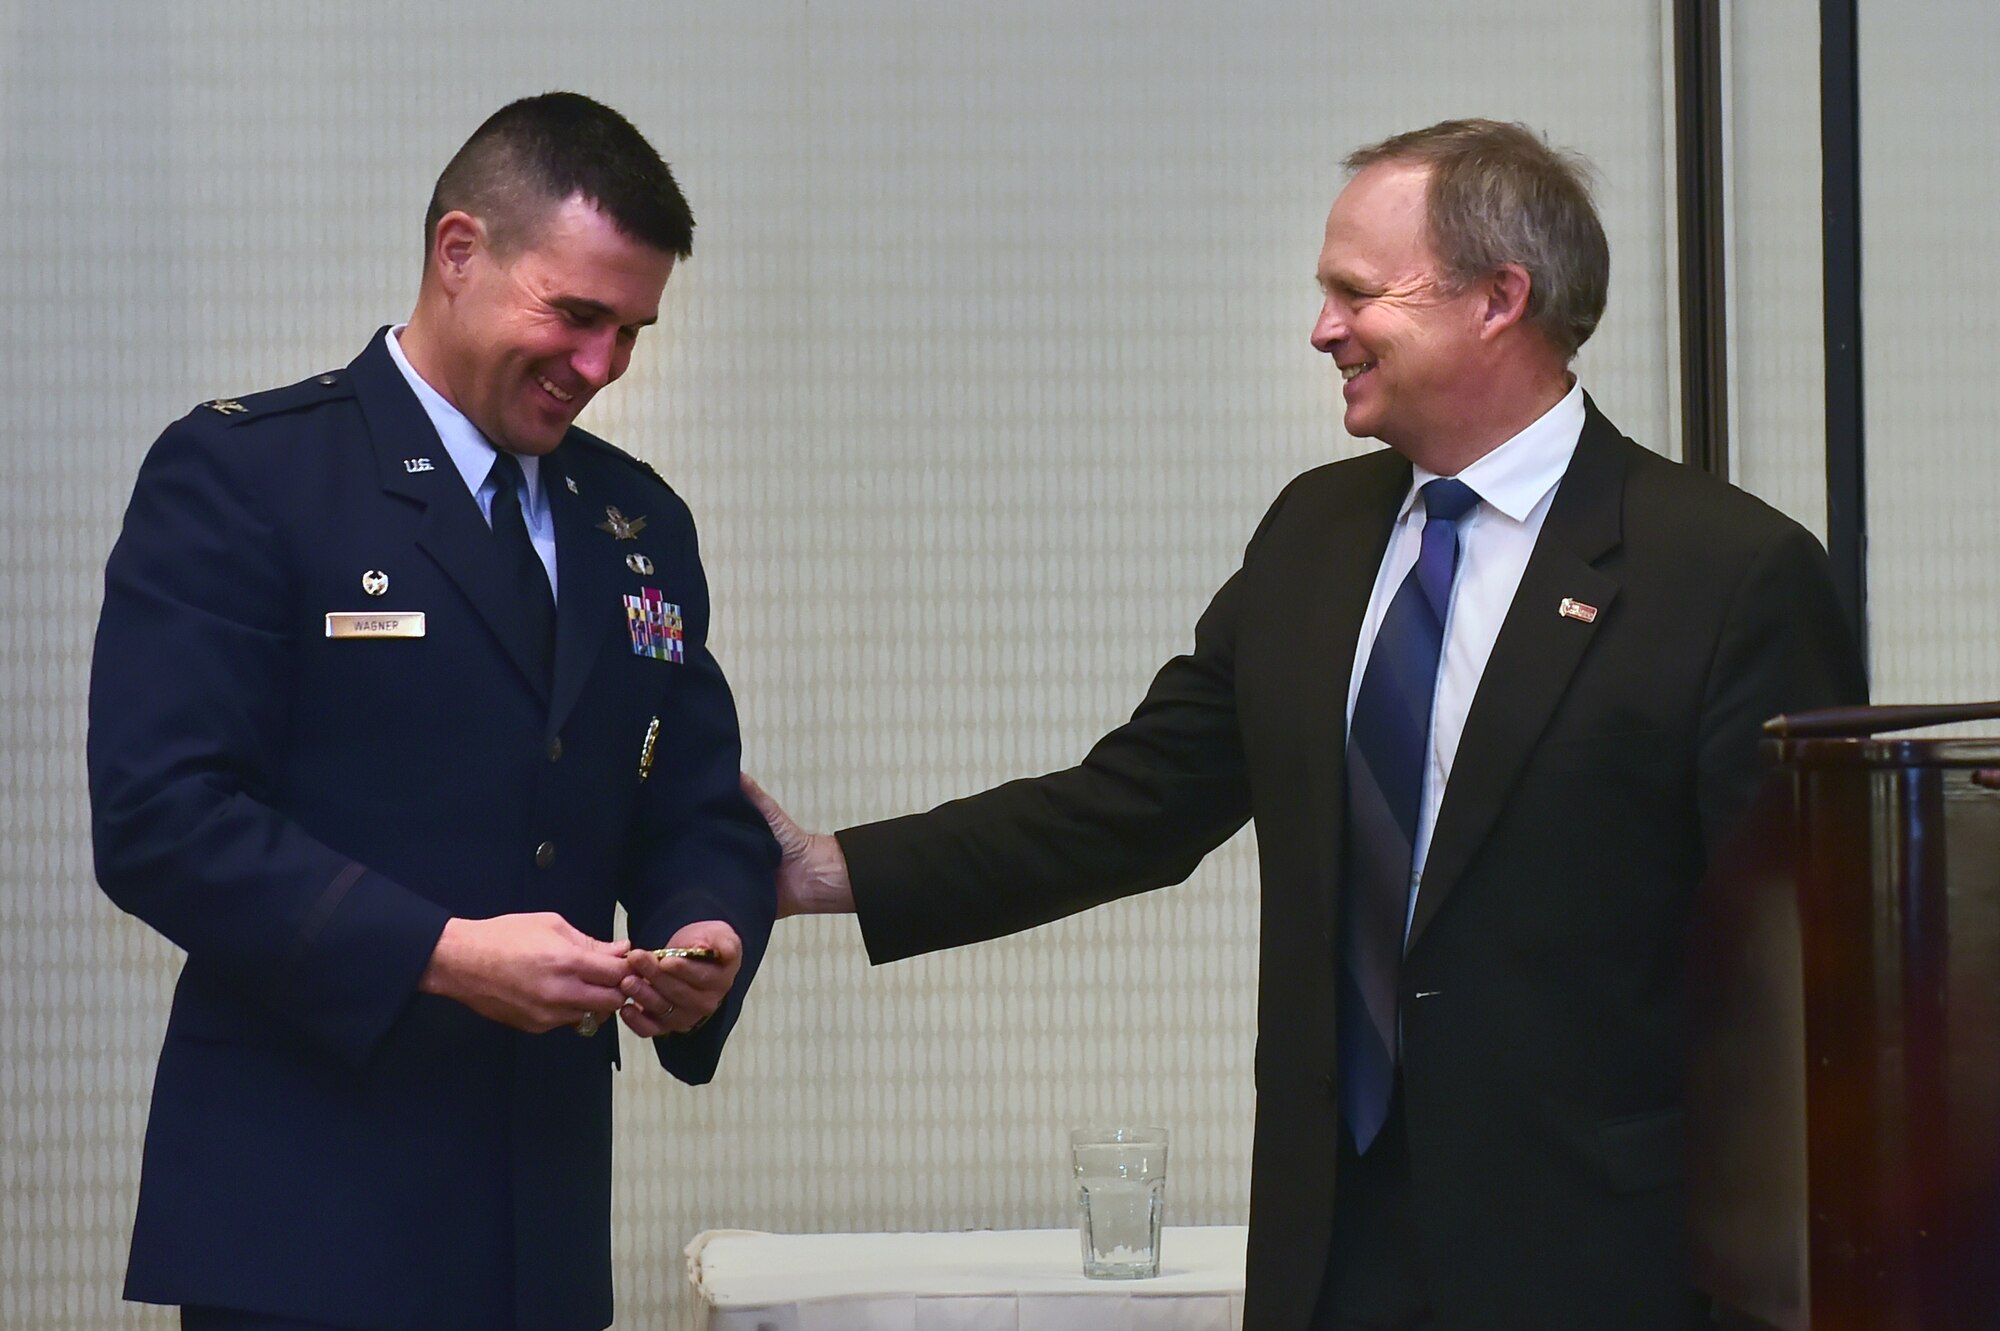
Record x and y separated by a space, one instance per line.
526 575
1388 748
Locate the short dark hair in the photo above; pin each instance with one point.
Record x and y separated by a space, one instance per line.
533 154
1498 193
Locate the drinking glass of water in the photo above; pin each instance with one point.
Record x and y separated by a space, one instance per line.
1121 1190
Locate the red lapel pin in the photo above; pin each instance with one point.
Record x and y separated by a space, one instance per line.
1572 609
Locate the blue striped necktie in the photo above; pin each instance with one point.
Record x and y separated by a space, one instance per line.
1388 749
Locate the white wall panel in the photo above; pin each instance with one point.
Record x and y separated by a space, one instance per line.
1930 117
991 353
1777 339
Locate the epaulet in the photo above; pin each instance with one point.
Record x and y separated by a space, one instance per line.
328 387
590 440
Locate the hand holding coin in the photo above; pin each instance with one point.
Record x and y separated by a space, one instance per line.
674 989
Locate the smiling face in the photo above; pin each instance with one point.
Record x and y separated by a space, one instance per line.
1407 344
524 339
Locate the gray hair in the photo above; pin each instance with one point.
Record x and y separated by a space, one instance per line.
1497 194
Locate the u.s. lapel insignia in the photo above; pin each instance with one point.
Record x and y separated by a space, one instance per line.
227 406
639 564
415 465
646 749
1577 610
621 527
570 481
655 625
375 582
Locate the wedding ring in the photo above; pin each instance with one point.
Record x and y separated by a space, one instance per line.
588 1026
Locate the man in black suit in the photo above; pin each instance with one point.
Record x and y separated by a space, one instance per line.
1492 699
400 687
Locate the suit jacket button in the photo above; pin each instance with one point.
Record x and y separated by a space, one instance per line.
555 749
545 854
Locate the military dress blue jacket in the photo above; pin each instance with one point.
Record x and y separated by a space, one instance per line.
300 803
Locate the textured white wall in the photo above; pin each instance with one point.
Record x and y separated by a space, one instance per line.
991 354
1930 235
1777 341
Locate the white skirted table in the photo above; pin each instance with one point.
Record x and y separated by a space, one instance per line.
1003 1280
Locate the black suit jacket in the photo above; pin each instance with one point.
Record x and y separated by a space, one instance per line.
1602 763
302 812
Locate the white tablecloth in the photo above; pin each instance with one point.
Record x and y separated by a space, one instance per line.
1008 1280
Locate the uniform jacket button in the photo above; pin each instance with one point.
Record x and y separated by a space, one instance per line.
545 854
555 748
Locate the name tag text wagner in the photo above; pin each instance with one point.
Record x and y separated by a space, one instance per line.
376 624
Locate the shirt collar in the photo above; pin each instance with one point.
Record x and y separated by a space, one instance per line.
1519 474
470 452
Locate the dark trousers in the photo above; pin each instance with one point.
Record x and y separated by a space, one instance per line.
1375 1277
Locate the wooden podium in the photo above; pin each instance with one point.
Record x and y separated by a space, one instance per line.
1844 1093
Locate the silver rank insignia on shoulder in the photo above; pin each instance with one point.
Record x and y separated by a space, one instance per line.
415 465
570 481
226 405
621 527
639 564
375 582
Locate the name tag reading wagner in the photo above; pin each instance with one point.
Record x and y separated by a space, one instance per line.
378 624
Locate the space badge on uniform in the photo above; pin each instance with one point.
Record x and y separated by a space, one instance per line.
655 625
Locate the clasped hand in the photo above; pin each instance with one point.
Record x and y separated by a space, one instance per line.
536 972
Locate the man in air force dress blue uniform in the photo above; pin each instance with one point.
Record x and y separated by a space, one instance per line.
401 686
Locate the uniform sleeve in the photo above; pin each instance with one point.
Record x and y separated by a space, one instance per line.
1785 647
703 851
189 705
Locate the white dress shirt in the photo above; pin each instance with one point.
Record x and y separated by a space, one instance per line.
474 457
1515 483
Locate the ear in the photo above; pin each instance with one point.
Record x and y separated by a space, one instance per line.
1507 289
459 241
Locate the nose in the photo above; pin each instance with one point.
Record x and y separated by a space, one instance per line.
1331 327
598 360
